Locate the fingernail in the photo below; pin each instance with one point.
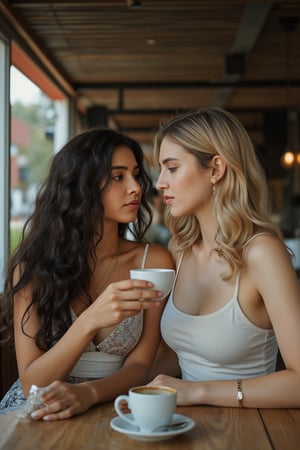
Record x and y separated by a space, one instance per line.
34 414
45 390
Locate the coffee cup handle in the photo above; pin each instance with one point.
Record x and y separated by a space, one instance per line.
118 410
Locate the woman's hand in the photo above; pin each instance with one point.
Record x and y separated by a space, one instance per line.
184 388
63 400
121 300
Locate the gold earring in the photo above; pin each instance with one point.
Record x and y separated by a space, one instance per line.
213 188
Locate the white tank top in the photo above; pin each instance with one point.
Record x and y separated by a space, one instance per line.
221 345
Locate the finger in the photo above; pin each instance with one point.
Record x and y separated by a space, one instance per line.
134 307
53 391
138 294
61 415
39 413
59 408
131 284
47 409
131 309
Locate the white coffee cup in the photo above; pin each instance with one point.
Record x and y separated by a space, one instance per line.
162 279
151 406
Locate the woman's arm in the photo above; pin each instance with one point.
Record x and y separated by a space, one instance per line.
274 278
119 301
64 400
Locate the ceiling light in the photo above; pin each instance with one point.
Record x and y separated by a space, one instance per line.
290 157
151 41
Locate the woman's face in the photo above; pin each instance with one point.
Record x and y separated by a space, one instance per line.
186 186
121 200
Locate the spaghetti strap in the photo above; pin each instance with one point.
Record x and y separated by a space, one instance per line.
237 286
145 256
178 266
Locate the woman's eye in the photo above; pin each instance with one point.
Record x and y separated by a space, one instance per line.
138 177
172 169
117 177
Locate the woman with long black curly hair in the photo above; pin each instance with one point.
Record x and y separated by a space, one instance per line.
80 328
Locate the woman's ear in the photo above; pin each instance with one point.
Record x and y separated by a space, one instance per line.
218 166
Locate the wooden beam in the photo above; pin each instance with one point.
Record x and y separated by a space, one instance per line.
204 84
25 64
251 24
26 36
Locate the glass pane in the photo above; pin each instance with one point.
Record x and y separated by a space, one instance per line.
32 125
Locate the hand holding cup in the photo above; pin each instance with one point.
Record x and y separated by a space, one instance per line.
162 279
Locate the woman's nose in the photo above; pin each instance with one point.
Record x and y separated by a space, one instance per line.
161 183
134 186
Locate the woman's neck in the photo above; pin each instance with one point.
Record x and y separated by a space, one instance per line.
109 245
209 228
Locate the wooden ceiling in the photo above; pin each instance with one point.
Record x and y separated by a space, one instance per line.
146 63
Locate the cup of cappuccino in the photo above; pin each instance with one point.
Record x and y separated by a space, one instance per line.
151 406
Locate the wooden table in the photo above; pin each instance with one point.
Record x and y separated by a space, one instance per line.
216 428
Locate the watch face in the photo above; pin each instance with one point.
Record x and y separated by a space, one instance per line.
240 395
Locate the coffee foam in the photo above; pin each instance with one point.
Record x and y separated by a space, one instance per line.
154 390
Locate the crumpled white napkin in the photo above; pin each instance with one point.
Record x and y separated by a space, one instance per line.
34 401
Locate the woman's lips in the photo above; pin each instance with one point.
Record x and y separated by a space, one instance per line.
133 205
168 200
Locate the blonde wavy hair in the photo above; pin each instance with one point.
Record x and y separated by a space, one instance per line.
241 197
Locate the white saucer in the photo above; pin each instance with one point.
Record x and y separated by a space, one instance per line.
118 424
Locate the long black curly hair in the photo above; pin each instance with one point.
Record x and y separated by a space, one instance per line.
59 238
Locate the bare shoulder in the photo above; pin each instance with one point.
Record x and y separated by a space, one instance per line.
269 270
265 249
159 256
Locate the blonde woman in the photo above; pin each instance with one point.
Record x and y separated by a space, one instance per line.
236 296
